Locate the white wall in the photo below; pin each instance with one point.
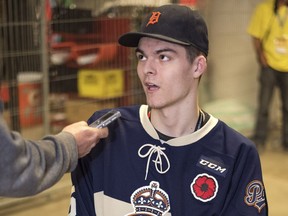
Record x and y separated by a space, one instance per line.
230 87
233 68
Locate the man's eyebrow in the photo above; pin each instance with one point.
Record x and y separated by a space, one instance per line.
165 50
138 50
157 51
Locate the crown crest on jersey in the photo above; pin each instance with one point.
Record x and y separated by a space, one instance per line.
150 200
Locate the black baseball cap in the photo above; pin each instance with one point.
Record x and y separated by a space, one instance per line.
173 23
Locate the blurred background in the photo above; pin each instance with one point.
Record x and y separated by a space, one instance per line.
60 62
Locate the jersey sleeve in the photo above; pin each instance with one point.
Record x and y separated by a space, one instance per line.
247 194
83 180
82 201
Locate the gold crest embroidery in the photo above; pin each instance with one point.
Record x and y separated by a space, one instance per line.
154 18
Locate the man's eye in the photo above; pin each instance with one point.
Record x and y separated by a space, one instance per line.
140 56
164 58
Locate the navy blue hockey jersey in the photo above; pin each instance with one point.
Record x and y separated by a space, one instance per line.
213 171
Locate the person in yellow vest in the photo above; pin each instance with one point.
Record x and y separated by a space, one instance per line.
269 31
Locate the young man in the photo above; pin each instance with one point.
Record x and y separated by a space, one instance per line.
269 31
169 157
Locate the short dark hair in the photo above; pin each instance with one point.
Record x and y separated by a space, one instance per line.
193 52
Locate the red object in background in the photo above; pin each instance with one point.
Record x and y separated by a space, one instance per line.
48 10
94 49
4 92
188 2
30 98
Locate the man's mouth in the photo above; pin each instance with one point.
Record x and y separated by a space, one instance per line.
151 86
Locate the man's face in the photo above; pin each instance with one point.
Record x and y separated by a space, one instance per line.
165 73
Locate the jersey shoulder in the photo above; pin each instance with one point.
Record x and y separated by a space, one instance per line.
230 141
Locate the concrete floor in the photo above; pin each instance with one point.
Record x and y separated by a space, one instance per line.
55 201
274 165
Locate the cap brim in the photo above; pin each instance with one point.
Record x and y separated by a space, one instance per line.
131 39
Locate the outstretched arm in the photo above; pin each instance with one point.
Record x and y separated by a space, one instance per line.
28 167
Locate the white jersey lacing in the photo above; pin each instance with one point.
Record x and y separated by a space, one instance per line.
158 161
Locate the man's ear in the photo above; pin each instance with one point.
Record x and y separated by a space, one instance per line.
200 66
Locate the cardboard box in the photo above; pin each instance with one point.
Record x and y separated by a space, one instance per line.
81 109
102 84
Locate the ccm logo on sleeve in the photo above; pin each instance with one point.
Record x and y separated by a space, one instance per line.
211 165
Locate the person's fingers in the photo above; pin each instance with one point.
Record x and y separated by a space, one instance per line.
89 139
103 132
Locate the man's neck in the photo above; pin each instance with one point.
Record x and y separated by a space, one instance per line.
176 123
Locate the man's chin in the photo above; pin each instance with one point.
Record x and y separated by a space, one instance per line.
154 103
154 106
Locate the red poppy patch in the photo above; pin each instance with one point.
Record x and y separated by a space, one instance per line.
204 187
